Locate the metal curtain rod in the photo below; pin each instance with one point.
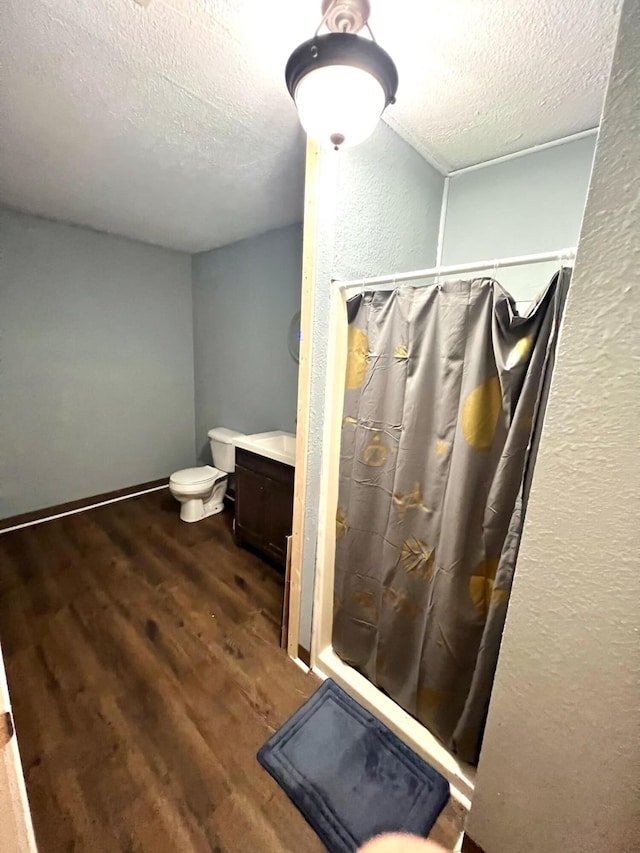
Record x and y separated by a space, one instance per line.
517 261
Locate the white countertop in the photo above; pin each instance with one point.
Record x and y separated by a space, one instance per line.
277 445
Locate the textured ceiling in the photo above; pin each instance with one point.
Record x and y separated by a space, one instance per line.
484 78
171 123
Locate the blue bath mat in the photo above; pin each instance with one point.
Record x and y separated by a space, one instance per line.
349 775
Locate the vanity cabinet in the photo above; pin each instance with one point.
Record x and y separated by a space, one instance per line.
264 504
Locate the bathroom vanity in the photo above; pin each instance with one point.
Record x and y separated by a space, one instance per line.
264 493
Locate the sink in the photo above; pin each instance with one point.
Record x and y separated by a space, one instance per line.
277 445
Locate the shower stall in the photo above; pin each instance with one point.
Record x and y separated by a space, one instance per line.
369 687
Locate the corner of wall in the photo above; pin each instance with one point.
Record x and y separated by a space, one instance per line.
192 272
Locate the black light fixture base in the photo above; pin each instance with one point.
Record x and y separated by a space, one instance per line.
343 49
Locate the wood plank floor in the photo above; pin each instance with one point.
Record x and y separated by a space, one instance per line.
144 669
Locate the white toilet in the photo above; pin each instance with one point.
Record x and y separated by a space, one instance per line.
201 490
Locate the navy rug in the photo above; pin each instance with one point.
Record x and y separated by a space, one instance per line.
349 775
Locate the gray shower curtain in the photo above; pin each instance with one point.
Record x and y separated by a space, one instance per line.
445 389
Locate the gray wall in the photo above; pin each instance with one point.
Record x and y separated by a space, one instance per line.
96 388
244 298
378 211
530 204
560 765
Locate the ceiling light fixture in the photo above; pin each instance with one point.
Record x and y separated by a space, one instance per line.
340 82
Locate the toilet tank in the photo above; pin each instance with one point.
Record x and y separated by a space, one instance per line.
223 450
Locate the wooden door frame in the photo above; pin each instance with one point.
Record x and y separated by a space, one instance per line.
309 241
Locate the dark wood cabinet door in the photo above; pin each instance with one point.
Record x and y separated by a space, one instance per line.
251 503
264 504
279 513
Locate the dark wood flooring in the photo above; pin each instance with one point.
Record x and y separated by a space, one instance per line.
144 670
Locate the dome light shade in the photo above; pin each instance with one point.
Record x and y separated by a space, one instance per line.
341 84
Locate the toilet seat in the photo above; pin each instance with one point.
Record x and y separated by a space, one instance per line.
195 479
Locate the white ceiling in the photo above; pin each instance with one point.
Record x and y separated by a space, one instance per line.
171 123
168 124
484 78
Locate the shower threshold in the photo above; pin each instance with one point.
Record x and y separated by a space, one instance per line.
461 776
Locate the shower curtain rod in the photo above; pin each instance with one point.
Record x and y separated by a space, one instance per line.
517 261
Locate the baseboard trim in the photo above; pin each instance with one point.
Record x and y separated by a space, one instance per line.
39 516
